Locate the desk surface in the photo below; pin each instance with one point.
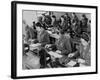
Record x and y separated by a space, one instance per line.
35 46
55 54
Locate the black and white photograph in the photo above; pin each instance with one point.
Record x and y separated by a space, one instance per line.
53 39
56 39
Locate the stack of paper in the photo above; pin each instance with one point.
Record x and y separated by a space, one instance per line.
81 61
71 63
34 46
55 36
56 55
58 51
49 32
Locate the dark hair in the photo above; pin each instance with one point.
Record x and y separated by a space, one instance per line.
83 15
25 51
39 25
53 16
66 14
62 16
34 22
89 21
74 13
62 31
85 36
43 14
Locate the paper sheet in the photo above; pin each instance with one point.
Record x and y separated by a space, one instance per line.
49 32
34 46
81 60
71 63
56 55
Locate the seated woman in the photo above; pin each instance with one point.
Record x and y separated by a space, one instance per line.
85 49
67 48
30 33
64 43
42 36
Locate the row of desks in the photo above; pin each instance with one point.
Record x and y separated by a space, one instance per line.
56 53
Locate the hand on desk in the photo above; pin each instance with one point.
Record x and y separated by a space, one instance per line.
71 55
58 51
47 45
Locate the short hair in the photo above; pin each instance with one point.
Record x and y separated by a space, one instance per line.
53 16
63 17
39 25
26 50
83 15
43 14
34 22
74 13
89 21
66 13
85 36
